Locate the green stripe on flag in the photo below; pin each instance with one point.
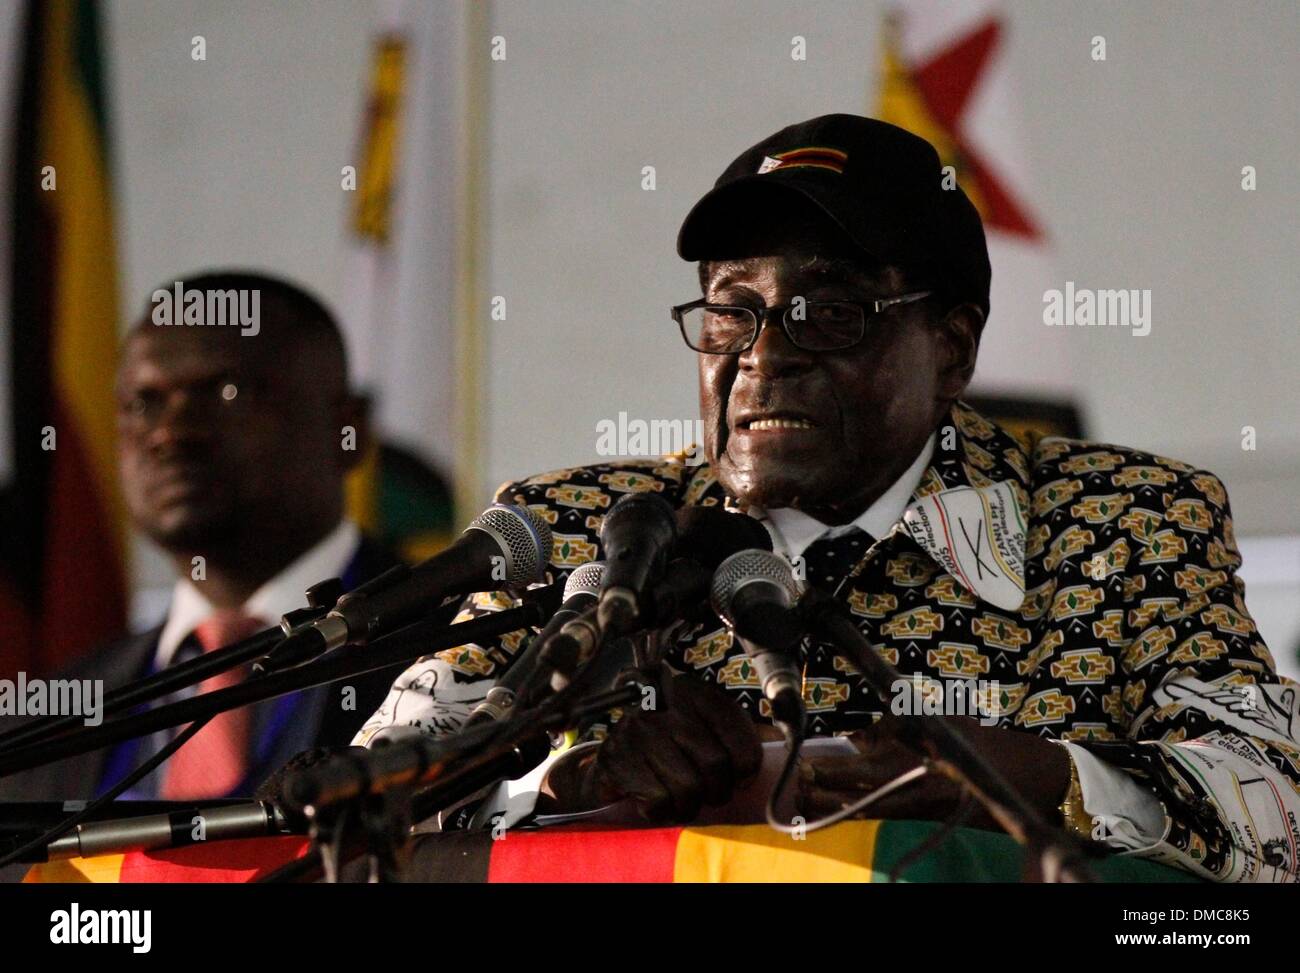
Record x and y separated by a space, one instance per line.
88 62
971 855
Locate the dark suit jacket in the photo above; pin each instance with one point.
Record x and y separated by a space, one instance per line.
128 659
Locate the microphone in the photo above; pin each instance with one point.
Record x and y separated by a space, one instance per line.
192 825
754 593
517 683
503 546
636 536
705 537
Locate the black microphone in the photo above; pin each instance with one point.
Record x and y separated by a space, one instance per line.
705 537
754 593
503 546
636 537
518 682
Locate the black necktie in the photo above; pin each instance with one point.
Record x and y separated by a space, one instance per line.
828 560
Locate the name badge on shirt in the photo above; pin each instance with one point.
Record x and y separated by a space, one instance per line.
977 536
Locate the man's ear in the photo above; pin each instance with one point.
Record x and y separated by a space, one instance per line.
960 332
354 411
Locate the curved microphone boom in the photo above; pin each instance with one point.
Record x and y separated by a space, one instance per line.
754 593
503 546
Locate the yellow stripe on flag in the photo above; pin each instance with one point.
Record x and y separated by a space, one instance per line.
901 103
102 869
361 490
756 853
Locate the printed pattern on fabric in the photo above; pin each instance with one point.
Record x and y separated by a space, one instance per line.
1132 638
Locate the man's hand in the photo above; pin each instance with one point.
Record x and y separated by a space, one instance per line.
1038 769
692 749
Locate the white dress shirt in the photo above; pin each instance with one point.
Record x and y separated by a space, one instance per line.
1129 816
793 531
276 740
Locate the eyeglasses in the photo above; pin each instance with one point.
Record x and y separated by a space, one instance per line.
724 329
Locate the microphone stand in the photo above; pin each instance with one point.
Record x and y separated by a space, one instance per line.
171 825
22 817
457 766
321 597
1059 856
402 646
160 684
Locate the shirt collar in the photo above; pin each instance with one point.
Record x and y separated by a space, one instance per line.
798 530
329 558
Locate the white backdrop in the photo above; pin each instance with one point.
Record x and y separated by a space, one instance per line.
1133 164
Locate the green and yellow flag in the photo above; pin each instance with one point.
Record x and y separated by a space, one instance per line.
61 567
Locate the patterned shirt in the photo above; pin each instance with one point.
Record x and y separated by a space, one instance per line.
1110 616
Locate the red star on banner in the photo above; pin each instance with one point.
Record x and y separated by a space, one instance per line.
945 84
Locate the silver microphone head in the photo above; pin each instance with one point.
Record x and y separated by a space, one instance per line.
524 538
744 568
584 580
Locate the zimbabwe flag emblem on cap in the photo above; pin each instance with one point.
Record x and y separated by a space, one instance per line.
815 156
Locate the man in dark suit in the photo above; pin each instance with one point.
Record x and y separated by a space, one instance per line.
235 436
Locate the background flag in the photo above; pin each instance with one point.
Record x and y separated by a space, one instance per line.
407 310
945 75
61 523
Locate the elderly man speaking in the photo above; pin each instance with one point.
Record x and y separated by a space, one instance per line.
1090 588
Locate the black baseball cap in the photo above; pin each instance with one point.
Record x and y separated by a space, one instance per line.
878 183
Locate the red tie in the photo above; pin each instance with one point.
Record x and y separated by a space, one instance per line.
215 761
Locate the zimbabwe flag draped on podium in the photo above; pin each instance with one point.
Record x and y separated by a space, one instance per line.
62 558
854 851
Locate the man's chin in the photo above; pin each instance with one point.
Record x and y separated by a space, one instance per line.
760 486
190 531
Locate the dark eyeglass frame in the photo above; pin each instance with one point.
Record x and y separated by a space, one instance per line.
762 316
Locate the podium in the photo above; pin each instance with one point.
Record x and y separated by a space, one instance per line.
853 851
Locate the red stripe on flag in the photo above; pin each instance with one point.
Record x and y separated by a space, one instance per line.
560 854
83 602
825 158
217 861
15 631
